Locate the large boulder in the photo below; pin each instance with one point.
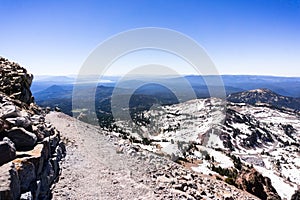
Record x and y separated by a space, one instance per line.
7 111
9 182
19 121
7 151
27 176
22 139
36 156
255 183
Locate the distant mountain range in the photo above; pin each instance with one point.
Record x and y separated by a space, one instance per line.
286 86
41 83
58 91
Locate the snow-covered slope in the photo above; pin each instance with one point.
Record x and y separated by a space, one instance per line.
261 136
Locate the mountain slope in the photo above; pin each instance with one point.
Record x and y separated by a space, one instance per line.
54 92
265 96
236 135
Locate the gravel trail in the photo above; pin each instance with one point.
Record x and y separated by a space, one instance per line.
92 168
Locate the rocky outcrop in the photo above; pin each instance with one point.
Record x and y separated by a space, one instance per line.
21 138
15 81
30 148
256 184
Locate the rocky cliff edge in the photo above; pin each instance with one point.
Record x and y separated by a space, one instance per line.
30 148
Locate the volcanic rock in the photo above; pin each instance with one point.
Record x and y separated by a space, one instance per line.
254 183
7 151
21 138
9 182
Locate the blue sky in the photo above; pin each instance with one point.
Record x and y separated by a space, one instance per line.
242 37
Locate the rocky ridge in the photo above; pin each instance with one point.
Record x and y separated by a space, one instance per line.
15 82
30 148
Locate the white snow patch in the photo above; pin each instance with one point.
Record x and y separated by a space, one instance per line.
214 141
203 168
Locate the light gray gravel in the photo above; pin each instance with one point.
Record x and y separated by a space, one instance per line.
92 169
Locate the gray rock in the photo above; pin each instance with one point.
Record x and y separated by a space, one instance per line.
46 178
20 121
54 140
26 95
55 165
47 110
29 80
7 151
9 111
21 138
9 182
60 151
35 118
15 82
27 176
6 139
38 155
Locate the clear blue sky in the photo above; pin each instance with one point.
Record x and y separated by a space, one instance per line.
241 36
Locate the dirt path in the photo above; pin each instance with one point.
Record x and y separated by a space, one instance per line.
92 169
